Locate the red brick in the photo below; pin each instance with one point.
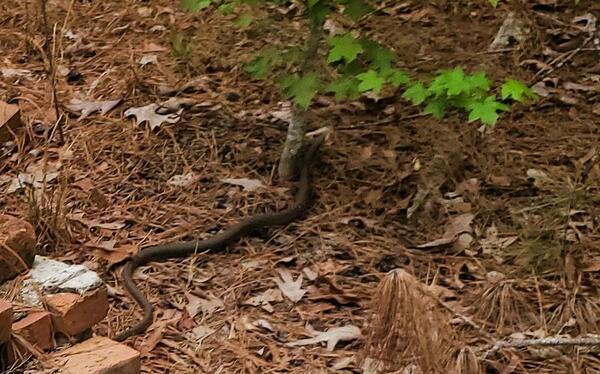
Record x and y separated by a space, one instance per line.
36 328
6 316
17 246
73 313
10 121
98 355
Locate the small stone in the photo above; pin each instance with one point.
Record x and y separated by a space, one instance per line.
98 355
6 316
73 314
56 276
17 246
36 328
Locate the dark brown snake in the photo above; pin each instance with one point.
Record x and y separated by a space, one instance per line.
217 242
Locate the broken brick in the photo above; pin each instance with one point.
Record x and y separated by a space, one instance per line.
10 121
17 246
6 316
36 328
98 355
73 314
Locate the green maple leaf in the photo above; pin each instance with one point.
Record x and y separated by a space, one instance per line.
436 107
357 8
300 89
345 87
194 5
318 11
449 83
417 93
370 81
344 47
517 91
262 64
398 78
486 111
243 20
381 58
477 82
226 9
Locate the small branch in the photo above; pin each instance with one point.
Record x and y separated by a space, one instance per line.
549 341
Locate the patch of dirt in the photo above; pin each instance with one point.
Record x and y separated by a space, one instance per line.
532 183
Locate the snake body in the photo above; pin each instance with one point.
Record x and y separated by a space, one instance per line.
215 243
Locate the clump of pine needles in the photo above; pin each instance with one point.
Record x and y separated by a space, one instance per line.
407 327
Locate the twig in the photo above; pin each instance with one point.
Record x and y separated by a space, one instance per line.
560 60
549 341
51 53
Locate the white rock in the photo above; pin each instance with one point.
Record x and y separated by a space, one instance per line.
56 276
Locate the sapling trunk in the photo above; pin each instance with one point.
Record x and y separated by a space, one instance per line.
297 127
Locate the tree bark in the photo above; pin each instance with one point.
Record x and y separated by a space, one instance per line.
297 127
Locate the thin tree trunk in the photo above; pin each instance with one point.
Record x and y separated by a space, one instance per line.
297 127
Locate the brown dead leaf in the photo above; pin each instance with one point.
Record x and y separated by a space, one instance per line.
331 336
470 186
328 267
207 306
169 316
372 196
91 223
456 225
290 288
265 299
332 292
153 47
491 244
118 254
366 152
98 198
500 180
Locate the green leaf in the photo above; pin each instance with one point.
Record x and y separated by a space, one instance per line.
455 82
494 2
226 9
194 5
243 20
486 111
449 83
370 81
345 88
398 78
381 58
261 65
318 11
357 8
517 91
477 82
300 89
417 93
352 69
344 47
436 107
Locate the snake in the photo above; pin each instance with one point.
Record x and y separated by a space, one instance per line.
218 242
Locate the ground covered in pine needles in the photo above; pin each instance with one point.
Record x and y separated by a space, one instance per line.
499 227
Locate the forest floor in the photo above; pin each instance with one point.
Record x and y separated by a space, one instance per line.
388 180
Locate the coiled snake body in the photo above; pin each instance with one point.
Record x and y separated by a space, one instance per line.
217 242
